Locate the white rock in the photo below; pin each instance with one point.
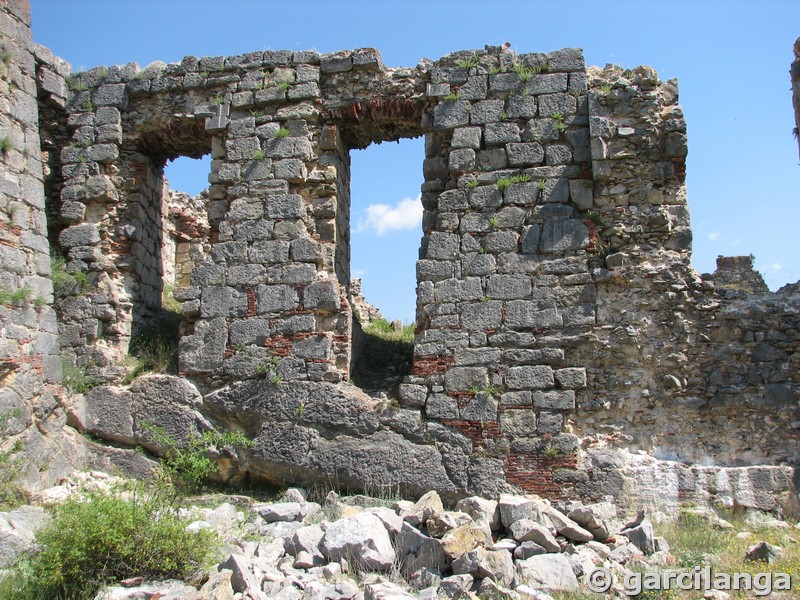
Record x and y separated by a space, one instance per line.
361 539
550 572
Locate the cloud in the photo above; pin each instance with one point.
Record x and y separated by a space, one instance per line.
776 266
358 272
715 237
406 214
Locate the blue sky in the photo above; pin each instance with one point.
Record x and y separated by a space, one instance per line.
731 59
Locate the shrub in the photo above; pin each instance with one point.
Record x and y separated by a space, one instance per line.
77 380
185 466
154 348
64 283
99 539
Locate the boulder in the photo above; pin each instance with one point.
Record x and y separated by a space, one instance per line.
163 590
762 552
567 527
528 549
462 539
514 508
386 591
430 504
282 511
440 524
481 509
455 586
526 530
642 536
416 551
362 540
549 572
600 519
480 564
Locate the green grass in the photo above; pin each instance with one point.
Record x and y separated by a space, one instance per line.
12 494
154 347
77 380
507 182
281 133
451 97
6 144
64 283
15 297
258 154
284 86
469 62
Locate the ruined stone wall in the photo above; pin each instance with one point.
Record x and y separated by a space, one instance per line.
795 76
560 326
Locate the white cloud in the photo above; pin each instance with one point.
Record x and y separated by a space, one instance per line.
358 272
406 214
776 266
715 237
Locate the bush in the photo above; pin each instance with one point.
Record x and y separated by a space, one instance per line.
154 348
184 467
96 540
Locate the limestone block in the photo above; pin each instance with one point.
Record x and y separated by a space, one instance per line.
450 114
486 111
498 134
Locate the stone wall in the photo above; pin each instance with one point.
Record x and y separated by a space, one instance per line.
560 326
30 365
795 76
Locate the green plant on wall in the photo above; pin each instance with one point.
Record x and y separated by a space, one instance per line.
468 62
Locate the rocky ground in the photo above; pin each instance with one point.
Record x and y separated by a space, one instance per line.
514 548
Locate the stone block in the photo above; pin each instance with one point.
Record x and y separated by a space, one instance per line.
492 159
499 242
221 301
451 114
284 206
250 331
79 235
524 154
530 377
524 314
475 88
275 298
558 154
322 296
571 378
530 239
466 137
486 111
560 236
461 160
566 59
203 351
463 379
521 107
508 287
499 134
552 104
553 399
581 192
485 196
441 406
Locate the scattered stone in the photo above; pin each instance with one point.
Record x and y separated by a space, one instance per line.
550 572
362 540
762 552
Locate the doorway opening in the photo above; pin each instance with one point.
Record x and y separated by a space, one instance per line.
386 229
